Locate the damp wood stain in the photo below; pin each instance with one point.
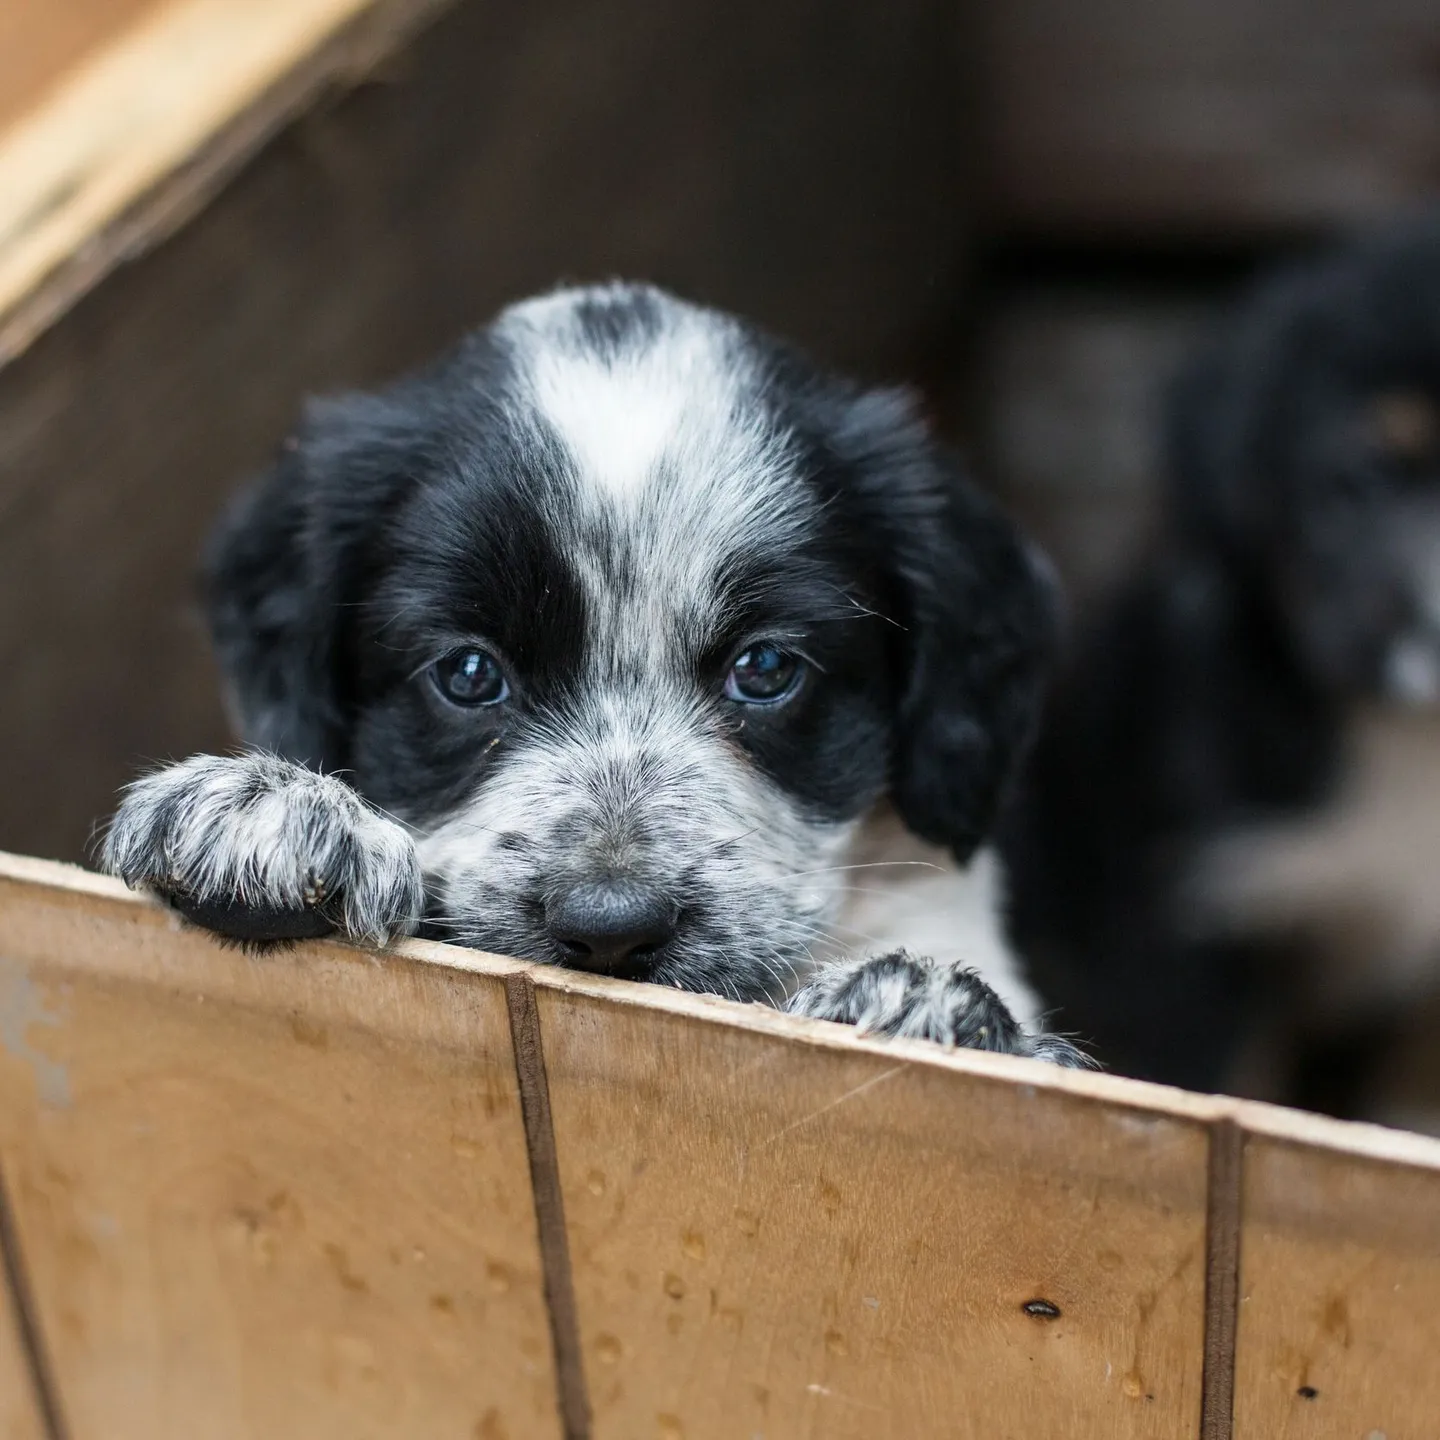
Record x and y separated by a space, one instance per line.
340 1262
22 1006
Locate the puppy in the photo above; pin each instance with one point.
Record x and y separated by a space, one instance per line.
623 639
1227 812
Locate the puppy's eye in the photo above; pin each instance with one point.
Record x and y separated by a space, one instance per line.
470 676
764 675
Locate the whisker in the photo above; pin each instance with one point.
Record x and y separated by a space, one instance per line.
867 865
860 890
837 940
865 609
731 840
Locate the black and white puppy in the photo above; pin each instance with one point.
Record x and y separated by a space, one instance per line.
1234 807
644 648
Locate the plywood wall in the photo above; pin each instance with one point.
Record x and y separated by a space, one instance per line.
267 1198
332 1193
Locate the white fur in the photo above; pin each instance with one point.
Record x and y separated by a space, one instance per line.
674 460
902 894
263 831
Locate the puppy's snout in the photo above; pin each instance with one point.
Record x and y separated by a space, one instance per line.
611 927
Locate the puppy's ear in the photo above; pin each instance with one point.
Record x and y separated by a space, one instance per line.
982 630
282 570
981 616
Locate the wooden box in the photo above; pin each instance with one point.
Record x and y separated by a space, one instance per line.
438 1194
431 1192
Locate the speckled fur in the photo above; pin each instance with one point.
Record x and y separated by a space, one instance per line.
614 492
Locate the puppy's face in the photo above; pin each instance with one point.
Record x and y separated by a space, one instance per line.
631 616
1358 558
1317 442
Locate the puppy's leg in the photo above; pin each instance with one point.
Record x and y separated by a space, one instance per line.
262 850
923 999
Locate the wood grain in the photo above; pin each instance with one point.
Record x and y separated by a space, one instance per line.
813 1241
1340 1296
290 1196
19 1414
40 43
266 1198
192 89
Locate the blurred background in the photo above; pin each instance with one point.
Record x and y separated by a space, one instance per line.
1028 209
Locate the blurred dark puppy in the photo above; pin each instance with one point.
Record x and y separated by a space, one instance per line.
1233 775
643 647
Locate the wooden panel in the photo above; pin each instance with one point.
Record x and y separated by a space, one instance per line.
266 1198
19 1417
509 147
40 42
839 1239
290 1196
182 97
1214 115
1340 1295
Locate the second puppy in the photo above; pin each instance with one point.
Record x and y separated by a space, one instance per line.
1230 826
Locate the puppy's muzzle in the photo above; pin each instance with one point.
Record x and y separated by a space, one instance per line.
613 926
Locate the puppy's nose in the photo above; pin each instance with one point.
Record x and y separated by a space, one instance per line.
611 927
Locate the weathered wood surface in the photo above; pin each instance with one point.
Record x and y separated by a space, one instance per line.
505 149
19 1412
278 1197
146 121
41 44
1213 118
292 1196
773 1239
1340 1296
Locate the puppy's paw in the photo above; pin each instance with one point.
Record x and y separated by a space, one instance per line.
925 1000
262 850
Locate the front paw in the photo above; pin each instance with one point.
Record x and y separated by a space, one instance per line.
262 850
924 1000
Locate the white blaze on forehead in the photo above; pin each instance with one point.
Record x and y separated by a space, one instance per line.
674 454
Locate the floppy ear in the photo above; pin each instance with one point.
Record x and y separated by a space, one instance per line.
281 570
982 625
980 615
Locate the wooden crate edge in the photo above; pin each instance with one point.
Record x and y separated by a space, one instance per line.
1369 1142
71 221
